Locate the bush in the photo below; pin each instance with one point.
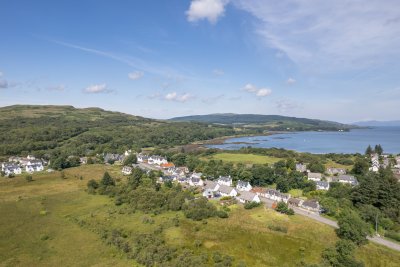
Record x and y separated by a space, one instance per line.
282 207
250 205
278 228
222 214
29 178
393 235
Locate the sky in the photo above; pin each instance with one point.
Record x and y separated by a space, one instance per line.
335 60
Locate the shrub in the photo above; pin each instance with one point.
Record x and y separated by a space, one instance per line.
29 178
222 214
278 228
252 204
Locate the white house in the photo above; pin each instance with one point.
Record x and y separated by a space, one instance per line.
195 179
334 171
35 167
11 169
157 160
322 185
276 195
347 179
208 193
243 186
211 185
142 157
225 180
311 205
126 170
301 167
225 190
246 197
314 176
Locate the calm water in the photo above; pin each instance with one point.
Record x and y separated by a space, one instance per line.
324 142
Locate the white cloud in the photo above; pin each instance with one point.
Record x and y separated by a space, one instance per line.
285 105
206 9
326 35
173 96
136 75
218 72
290 81
97 89
261 92
59 88
4 84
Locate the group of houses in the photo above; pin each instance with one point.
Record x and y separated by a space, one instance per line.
376 163
17 165
340 176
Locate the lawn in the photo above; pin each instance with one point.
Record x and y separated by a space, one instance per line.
243 158
54 222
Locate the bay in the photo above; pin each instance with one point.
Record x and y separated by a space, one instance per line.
354 141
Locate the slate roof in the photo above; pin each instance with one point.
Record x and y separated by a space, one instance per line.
248 196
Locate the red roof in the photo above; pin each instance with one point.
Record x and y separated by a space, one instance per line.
167 165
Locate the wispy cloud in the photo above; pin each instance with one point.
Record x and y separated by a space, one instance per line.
173 96
290 81
329 34
218 72
211 10
212 99
285 105
97 89
260 92
136 75
57 88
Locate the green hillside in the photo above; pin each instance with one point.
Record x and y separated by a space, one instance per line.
271 122
55 129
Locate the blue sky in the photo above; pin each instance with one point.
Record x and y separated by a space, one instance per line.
336 60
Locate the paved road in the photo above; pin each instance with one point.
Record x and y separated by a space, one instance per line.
317 217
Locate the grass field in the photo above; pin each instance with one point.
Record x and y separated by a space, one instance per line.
54 222
243 158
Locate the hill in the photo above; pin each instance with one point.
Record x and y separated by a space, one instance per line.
271 122
73 131
378 123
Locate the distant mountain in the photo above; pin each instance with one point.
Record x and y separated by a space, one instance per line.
272 122
377 123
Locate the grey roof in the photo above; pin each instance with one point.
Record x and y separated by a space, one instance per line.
274 192
210 184
225 178
348 178
295 201
314 175
225 189
311 204
246 195
322 183
242 183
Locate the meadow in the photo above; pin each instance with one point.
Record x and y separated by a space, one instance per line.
236 158
54 222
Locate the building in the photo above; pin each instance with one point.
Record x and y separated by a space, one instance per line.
208 193
314 176
225 190
195 179
142 157
311 205
347 179
225 180
301 167
34 166
276 195
126 170
157 160
11 169
335 171
246 196
243 186
295 202
211 185
322 185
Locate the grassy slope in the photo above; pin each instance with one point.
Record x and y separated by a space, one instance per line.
243 158
75 219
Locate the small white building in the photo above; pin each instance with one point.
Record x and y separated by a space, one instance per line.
126 170
322 185
34 167
347 179
157 160
243 186
276 195
301 167
335 171
11 169
195 179
314 176
225 190
246 197
142 157
225 180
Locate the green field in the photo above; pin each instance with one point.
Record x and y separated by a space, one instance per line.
54 222
236 158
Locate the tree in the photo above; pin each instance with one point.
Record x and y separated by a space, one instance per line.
352 227
378 149
107 180
360 167
29 178
369 151
131 159
291 164
341 255
92 184
282 207
316 166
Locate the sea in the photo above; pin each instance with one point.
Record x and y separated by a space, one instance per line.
316 142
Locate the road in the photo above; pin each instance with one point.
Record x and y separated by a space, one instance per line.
317 217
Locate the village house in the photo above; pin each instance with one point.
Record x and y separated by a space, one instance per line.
83 160
142 157
167 165
397 159
167 178
182 179
208 184
158 160
34 166
243 186
276 195
126 170
109 157
301 167
225 180
311 205
195 179
225 190
335 171
208 193
347 179
295 202
322 185
314 176
246 196
11 169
